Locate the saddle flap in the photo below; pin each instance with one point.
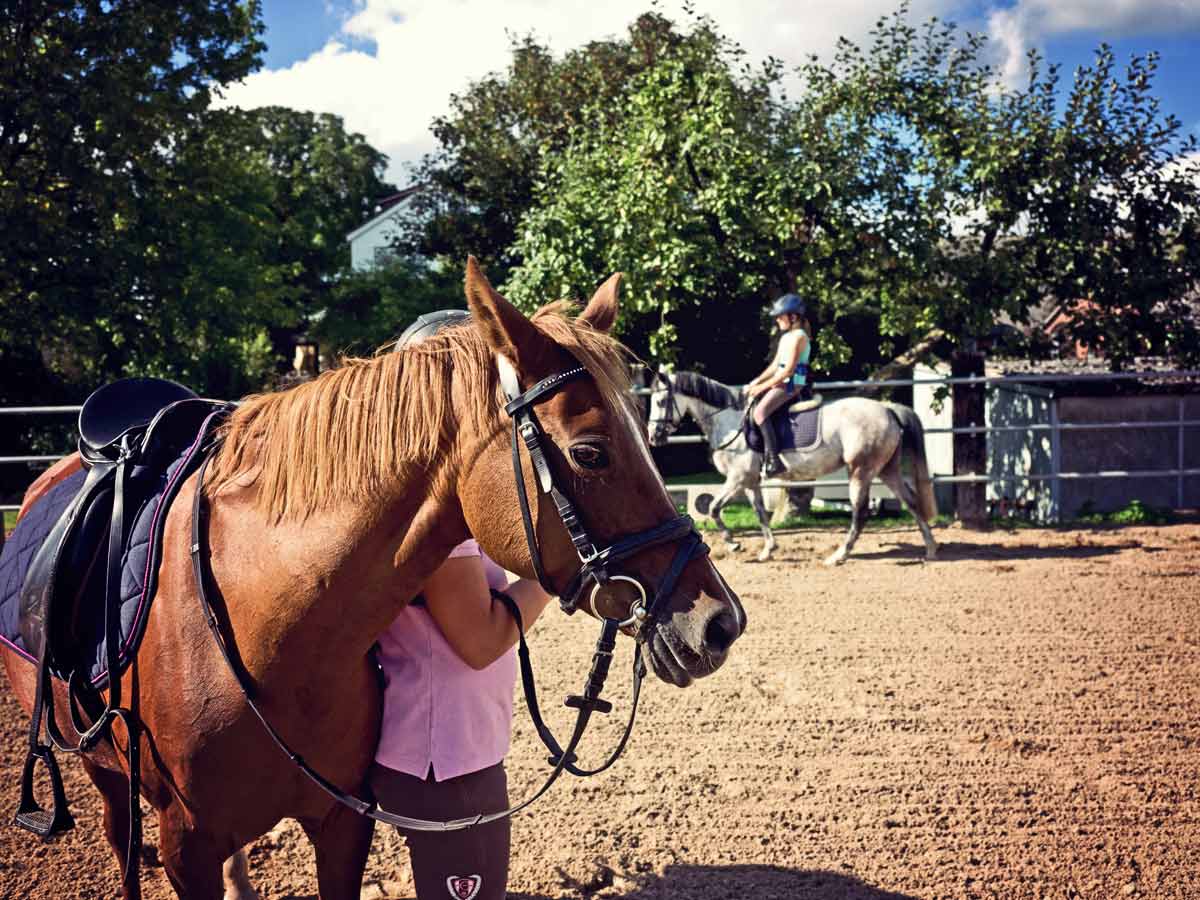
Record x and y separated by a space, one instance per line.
60 569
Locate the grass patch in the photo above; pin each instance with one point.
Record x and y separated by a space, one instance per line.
1135 513
741 517
10 519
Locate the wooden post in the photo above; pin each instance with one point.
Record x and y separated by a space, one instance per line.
970 450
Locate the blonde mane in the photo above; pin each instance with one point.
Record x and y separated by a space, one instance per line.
348 434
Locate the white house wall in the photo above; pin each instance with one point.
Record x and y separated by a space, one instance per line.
939 448
371 244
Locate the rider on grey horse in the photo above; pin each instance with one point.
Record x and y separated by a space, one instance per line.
786 378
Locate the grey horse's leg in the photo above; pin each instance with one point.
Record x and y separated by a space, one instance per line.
860 495
764 521
236 875
728 491
895 481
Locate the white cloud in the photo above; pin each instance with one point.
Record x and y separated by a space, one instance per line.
394 64
1115 18
1014 29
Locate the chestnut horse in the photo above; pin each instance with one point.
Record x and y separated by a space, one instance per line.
329 505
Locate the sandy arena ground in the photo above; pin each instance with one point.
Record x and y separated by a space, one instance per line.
1018 720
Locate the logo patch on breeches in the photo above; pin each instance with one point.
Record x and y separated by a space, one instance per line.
464 887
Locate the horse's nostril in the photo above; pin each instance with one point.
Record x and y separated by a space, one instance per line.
720 632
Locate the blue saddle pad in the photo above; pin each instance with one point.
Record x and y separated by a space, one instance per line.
152 491
793 431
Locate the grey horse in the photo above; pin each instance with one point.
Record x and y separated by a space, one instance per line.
866 436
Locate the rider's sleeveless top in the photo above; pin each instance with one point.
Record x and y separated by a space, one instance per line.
800 376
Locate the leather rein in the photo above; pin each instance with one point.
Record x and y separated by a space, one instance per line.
594 570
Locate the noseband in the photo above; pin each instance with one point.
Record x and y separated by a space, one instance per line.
595 565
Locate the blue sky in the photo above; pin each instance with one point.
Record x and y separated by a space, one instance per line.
389 66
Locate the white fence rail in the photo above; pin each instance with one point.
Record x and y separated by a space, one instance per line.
1179 471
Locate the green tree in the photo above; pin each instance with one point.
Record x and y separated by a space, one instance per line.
983 203
690 191
91 97
323 182
1118 217
479 182
905 187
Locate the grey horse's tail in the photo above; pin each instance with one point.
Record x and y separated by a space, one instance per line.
914 440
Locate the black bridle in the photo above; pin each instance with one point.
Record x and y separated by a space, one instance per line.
642 615
672 417
594 564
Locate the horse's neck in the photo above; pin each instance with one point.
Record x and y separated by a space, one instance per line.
700 411
332 586
696 409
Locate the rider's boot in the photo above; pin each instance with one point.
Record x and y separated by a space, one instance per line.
772 464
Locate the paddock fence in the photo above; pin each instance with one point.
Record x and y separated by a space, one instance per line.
1039 457
1017 465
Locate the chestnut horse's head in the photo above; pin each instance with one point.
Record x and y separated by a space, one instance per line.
602 530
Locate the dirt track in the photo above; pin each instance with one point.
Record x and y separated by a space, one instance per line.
1018 720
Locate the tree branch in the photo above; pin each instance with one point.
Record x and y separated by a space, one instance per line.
909 357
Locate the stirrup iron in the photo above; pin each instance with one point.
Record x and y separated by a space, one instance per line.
43 822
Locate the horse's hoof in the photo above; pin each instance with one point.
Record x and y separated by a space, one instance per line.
931 554
835 560
764 554
734 546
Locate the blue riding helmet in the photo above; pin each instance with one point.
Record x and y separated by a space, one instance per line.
789 304
430 324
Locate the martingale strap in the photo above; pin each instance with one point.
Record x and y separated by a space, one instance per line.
600 664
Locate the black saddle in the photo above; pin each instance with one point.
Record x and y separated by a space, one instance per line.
130 431
123 407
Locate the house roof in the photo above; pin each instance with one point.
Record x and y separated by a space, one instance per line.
383 210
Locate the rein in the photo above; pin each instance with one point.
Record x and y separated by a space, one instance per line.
594 567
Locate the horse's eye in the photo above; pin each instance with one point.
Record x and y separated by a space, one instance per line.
589 456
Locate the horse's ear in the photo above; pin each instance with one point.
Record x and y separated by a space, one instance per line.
601 311
504 327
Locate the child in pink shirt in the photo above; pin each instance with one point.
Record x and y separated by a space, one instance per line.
449 668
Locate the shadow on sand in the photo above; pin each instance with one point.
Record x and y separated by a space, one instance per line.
953 551
721 882
716 883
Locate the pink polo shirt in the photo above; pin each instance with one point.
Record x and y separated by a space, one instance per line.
438 712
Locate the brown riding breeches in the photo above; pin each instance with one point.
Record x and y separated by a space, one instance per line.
469 863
